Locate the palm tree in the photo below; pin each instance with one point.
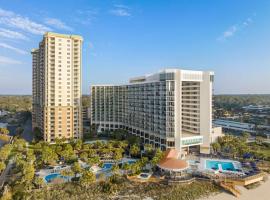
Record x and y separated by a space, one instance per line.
76 168
216 147
134 150
87 178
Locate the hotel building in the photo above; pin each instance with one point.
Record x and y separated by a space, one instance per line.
56 108
168 109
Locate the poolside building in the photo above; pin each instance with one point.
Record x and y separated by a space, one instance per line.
172 164
168 109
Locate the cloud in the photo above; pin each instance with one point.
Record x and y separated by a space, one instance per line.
86 16
12 34
121 11
8 61
11 19
230 32
57 23
6 46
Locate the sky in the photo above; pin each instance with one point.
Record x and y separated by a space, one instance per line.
129 38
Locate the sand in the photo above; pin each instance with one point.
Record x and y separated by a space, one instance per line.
260 193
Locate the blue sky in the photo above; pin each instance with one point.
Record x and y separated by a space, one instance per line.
123 39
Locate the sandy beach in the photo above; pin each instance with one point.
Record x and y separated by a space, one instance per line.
260 193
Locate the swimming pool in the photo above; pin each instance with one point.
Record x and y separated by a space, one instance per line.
107 166
49 178
220 165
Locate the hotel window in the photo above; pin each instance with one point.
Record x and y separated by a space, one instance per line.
211 78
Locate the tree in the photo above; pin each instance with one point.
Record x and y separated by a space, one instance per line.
84 156
135 168
115 168
39 182
93 160
67 172
48 156
28 172
87 178
78 144
132 139
7 195
143 161
91 152
2 166
4 131
158 156
76 168
68 153
5 152
126 166
118 154
148 148
19 144
216 147
134 150
245 136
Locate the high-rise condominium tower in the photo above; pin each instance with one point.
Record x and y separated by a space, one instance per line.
57 86
169 109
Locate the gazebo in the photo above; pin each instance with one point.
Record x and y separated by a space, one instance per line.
171 163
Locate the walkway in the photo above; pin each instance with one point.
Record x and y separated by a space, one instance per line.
4 174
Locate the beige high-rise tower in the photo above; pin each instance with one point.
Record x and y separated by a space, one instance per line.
56 91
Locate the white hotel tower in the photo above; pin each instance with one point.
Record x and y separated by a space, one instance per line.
168 109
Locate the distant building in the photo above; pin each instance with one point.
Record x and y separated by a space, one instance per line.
3 113
235 126
256 108
57 86
168 109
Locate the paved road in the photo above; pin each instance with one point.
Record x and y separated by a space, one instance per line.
5 173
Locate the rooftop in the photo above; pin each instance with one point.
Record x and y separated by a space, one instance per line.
170 161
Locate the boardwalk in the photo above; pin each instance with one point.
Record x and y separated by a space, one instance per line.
260 193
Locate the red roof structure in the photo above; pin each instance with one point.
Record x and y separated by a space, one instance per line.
170 161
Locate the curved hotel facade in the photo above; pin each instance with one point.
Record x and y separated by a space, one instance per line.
168 109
